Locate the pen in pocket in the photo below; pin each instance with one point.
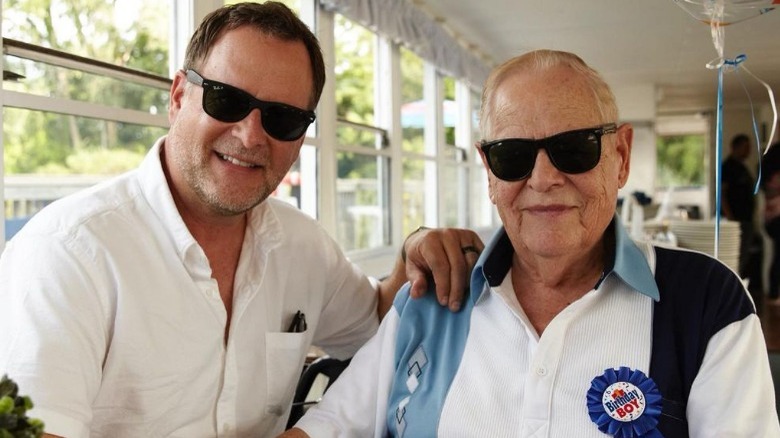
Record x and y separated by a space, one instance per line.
298 323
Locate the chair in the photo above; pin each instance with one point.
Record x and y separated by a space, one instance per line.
327 367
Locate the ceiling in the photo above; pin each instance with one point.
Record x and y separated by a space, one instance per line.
629 42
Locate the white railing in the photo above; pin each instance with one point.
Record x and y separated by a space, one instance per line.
26 195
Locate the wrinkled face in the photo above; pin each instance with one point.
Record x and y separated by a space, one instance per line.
227 168
552 213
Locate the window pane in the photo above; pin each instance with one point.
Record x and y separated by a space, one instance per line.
681 160
128 33
307 165
48 143
355 48
51 81
299 186
476 134
50 155
353 136
419 194
361 204
483 213
412 102
449 110
454 182
453 153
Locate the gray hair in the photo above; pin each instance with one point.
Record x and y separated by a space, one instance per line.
539 61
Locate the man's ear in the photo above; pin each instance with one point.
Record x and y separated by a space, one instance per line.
491 181
477 145
625 138
178 86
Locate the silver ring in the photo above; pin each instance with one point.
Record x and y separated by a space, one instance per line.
468 249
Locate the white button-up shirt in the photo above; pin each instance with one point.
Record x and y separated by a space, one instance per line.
112 323
486 372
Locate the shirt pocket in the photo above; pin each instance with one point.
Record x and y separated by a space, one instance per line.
285 353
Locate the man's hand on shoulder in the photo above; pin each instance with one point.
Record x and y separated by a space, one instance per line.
444 255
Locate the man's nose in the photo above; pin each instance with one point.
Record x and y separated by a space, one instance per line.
250 129
544 173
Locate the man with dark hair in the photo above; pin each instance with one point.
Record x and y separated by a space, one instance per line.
180 299
770 184
737 199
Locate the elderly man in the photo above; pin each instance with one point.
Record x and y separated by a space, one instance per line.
571 328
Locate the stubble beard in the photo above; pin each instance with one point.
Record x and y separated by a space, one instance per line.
224 201
219 198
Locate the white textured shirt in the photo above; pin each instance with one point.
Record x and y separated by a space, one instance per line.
111 322
486 372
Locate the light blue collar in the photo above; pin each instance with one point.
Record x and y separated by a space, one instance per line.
629 264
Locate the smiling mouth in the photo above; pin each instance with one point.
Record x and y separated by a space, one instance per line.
547 209
236 161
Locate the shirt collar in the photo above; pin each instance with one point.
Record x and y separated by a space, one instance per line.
154 186
629 263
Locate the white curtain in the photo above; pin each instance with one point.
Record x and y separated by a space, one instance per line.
407 24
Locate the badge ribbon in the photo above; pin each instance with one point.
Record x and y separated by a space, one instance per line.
625 403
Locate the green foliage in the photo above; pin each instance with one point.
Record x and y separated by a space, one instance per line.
106 30
96 162
414 140
355 55
412 72
680 161
14 422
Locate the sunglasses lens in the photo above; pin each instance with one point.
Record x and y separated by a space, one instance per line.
284 123
572 152
575 152
512 159
225 105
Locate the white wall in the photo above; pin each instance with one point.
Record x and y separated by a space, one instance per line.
637 105
643 160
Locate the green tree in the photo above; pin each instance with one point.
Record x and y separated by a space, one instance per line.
37 142
680 160
354 73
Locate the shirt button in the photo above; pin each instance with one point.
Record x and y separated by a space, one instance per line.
541 371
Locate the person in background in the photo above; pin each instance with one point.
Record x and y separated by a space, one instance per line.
770 184
180 299
737 199
570 328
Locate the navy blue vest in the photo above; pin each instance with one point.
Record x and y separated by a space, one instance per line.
699 297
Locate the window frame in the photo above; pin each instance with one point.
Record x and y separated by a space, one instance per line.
319 200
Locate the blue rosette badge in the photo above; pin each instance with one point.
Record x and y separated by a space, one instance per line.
625 403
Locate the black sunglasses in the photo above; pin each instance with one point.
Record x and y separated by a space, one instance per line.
227 103
578 151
